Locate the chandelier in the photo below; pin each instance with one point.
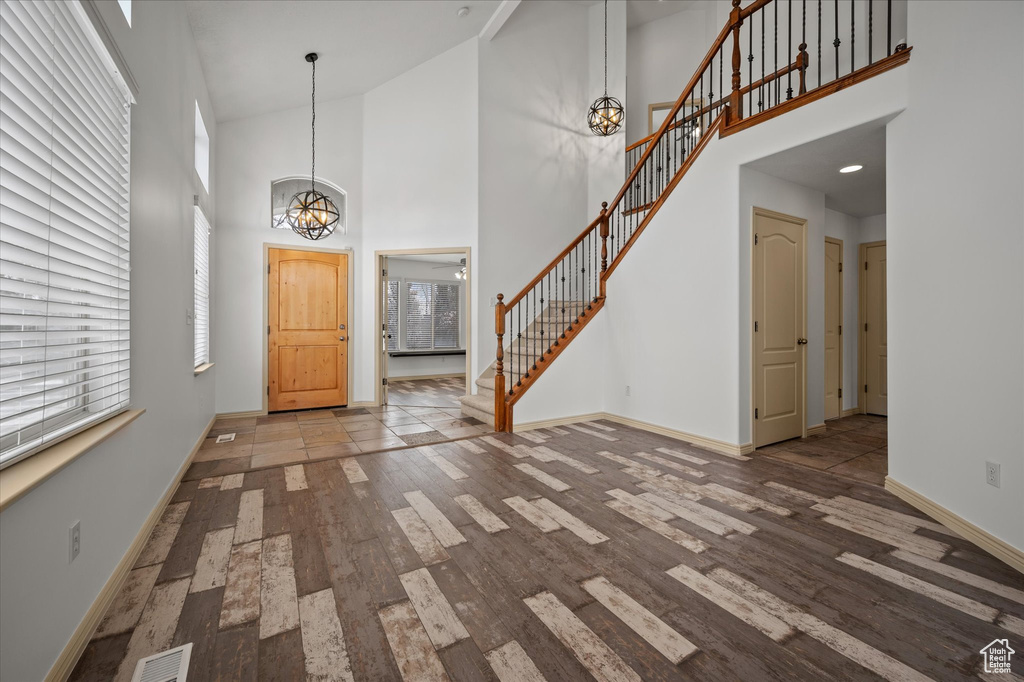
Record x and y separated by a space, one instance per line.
311 213
606 115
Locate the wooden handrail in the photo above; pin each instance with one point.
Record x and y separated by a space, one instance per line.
551 266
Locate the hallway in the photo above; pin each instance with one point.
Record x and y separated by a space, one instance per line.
854 446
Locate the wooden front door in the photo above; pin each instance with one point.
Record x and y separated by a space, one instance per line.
308 330
875 331
779 343
833 328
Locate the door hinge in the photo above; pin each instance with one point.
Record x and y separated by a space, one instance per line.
755 325
755 413
268 330
840 330
384 381
268 268
840 393
755 239
268 390
865 388
383 273
865 265
840 267
865 326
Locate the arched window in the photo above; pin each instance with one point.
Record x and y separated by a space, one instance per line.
282 190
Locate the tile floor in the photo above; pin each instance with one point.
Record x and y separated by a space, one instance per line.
427 392
855 446
289 437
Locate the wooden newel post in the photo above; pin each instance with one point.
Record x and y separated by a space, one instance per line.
735 98
604 243
802 59
499 367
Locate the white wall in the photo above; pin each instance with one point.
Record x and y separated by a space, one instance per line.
113 488
662 56
253 152
534 141
420 178
955 285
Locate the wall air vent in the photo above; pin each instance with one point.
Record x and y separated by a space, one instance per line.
167 666
225 437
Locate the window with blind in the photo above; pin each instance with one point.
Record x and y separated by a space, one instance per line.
393 333
431 316
64 156
201 260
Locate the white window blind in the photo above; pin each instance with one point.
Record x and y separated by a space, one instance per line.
202 288
446 316
392 302
64 157
418 316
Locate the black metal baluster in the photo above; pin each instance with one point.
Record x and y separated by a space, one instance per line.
871 28
888 28
750 64
853 26
819 43
789 49
760 88
836 43
721 60
776 51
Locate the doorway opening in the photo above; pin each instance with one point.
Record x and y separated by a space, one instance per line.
423 316
846 387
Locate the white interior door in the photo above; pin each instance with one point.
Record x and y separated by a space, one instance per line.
779 272
833 328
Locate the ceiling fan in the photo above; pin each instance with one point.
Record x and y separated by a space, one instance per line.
461 274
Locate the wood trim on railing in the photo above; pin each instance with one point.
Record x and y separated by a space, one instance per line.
550 266
716 125
862 74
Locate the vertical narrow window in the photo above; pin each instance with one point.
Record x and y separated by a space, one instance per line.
64 237
202 288
446 316
419 325
393 333
202 150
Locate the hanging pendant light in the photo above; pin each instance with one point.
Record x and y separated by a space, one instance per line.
606 114
311 213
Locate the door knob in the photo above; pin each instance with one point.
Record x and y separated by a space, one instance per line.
801 342
341 338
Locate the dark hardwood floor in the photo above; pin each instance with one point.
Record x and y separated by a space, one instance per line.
586 551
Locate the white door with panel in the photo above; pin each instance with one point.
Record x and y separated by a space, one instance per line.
833 328
779 274
875 331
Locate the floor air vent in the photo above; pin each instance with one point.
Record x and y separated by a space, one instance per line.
225 437
166 666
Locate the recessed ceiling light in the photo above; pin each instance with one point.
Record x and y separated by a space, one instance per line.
851 169
463 11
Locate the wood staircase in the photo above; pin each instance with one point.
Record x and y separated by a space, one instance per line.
549 312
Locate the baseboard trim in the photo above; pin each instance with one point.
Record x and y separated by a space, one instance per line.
711 444
240 415
850 412
455 375
816 429
75 647
1000 549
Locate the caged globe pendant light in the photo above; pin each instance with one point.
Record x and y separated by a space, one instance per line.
606 115
311 213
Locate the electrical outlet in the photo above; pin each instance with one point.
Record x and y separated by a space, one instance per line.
992 473
75 541
629 391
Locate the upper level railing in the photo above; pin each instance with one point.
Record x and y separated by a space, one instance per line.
766 70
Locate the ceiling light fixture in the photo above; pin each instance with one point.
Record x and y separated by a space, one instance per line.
851 169
311 213
463 11
606 115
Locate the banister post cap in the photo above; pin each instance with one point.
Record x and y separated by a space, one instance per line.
501 297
